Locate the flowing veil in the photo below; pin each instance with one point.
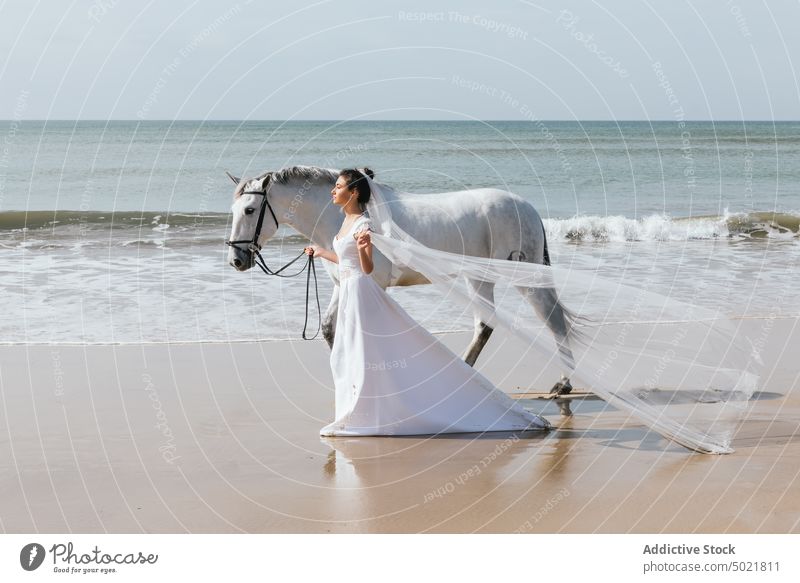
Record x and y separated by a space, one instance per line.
683 370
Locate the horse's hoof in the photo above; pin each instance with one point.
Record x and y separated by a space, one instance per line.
562 387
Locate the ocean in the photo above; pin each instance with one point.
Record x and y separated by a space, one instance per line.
113 232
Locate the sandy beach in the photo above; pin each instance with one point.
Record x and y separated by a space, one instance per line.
223 437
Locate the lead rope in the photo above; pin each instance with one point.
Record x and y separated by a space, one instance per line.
311 268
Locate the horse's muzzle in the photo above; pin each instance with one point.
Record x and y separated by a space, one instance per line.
241 260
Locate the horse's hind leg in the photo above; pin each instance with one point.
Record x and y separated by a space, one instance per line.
482 330
329 318
549 309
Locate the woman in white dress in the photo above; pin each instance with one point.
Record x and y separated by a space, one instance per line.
392 376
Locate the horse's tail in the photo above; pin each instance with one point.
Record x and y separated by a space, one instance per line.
545 252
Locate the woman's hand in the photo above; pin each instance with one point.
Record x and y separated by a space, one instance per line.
363 239
317 251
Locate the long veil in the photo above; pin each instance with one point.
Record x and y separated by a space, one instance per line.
683 370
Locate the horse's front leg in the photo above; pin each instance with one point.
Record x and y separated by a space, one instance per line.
482 330
479 340
329 319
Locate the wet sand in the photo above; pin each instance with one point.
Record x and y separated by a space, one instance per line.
224 438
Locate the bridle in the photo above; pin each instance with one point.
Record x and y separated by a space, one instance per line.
254 248
252 244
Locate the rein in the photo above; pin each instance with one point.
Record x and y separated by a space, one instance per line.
254 249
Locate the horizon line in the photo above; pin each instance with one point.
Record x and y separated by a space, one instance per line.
407 120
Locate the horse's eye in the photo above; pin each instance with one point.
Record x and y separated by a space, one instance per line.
249 210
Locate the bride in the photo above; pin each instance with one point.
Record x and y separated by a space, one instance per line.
392 376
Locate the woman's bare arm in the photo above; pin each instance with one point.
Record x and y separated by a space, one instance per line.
318 251
365 251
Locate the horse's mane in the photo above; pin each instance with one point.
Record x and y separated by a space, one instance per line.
285 175
313 173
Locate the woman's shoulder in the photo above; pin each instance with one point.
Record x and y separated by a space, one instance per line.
364 222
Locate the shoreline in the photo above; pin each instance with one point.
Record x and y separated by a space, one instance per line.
269 340
223 437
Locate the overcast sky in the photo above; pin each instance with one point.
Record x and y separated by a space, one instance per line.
335 59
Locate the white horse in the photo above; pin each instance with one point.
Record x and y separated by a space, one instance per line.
485 222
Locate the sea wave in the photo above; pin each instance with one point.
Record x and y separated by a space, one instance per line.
658 227
55 219
48 228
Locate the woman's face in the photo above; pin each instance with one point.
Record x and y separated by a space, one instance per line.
340 194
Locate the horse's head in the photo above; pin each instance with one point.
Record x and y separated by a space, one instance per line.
254 220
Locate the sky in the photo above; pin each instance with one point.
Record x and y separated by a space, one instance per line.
336 59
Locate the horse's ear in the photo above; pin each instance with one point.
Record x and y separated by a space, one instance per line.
232 177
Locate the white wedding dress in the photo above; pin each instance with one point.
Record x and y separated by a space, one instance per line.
393 377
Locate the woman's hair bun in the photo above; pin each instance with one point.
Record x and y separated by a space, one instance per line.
369 172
